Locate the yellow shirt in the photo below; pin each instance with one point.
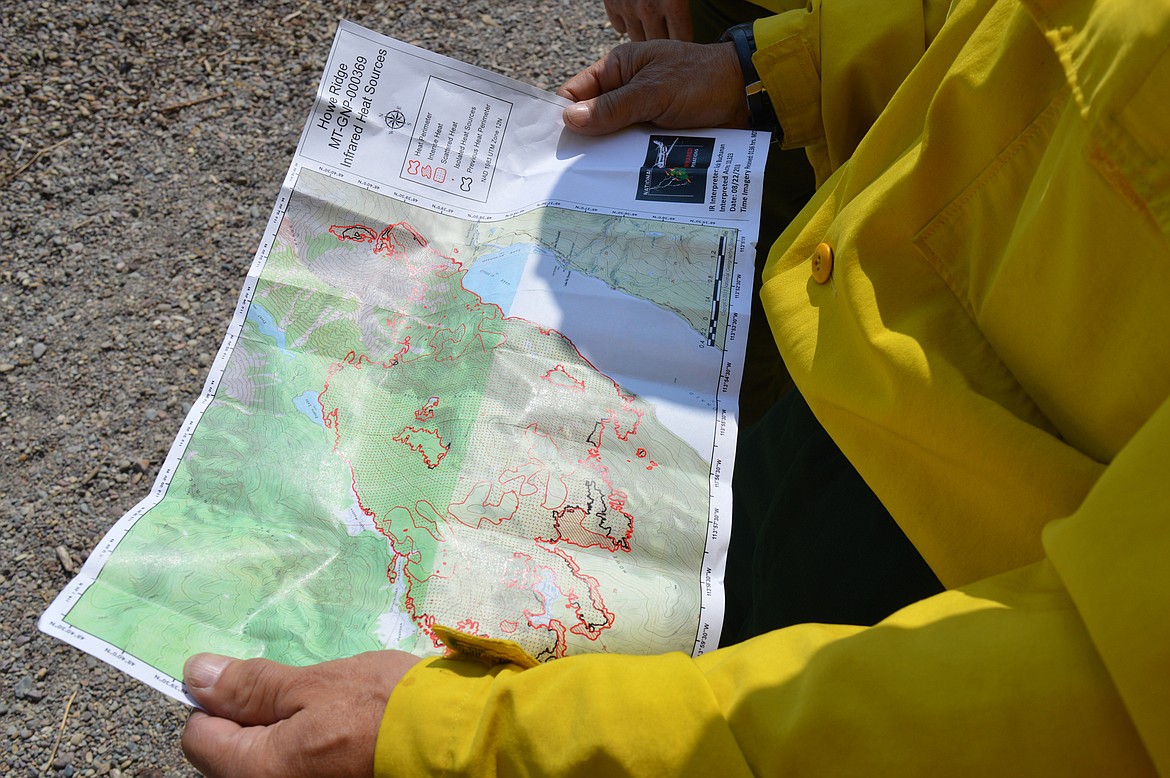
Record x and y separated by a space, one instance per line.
990 350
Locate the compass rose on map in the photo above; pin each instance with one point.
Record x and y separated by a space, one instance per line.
394 119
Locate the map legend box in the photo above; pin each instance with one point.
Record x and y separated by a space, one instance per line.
456 140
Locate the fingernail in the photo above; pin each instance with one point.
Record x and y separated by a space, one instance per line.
577 114
203 670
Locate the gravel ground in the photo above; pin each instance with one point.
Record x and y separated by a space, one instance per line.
142 145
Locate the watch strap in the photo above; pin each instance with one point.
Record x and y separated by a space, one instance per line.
762 116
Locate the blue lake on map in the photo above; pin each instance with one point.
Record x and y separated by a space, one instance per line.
309 404
551 595
266 323
396 625
495 277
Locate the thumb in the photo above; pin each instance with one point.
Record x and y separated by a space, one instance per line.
246 691
609 112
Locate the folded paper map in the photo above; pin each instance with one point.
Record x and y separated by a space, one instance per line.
482 375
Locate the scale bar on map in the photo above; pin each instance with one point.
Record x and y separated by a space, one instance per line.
714 323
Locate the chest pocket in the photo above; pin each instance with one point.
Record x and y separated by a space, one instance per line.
967 242
1062 267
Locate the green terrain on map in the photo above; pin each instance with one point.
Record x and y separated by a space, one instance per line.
386 451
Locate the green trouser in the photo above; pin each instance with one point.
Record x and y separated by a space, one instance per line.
709 18
810 542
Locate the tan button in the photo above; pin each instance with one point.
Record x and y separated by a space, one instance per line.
822 263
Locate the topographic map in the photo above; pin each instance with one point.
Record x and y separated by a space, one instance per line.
482 378
388 450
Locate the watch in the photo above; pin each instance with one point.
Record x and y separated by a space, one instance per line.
762 116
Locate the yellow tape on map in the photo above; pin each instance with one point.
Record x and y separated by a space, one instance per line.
488 651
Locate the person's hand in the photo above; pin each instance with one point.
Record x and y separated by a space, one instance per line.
261 718
670 84
645 20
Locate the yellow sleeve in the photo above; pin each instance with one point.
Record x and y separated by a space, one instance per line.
998 678
1113 556
831 67
1058 668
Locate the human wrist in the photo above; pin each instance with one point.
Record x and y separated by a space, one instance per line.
729 75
